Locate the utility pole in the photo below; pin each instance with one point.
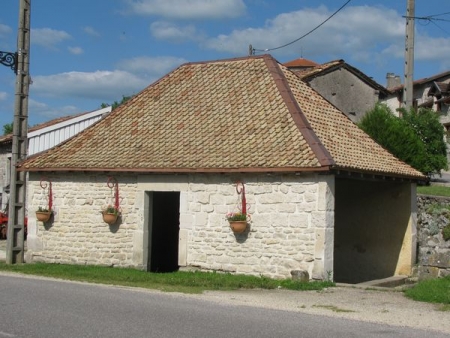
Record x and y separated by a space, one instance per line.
408 90
16 215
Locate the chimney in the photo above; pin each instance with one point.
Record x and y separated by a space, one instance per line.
392 80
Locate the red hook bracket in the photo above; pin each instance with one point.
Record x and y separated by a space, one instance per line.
240 189
44 184
112 183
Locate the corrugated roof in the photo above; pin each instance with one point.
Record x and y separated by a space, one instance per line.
249 114
47 124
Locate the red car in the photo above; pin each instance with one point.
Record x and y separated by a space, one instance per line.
4 225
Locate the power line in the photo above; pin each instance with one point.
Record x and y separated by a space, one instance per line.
312 30
442 29
429 16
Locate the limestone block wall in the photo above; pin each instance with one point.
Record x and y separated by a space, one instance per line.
291 228
76 233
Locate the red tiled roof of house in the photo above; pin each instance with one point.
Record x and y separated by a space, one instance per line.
301 62
241 115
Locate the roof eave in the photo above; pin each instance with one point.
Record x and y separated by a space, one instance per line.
183 170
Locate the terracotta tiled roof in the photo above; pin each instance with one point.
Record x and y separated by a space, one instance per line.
300 63
249 114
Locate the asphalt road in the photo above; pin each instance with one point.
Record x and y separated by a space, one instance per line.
38 307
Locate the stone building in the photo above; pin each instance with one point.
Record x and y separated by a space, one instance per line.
346 87
323 196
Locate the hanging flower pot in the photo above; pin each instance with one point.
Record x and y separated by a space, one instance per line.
43 214
238 226
238 221
110 214
109 218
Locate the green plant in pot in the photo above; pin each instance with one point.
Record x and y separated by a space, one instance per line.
110 214
238 221
43 214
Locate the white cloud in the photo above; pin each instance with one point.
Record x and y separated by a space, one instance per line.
360 33
91 31
152 66
189 9
3 96
5 30
100 85
48 37
43 110
163 30
75 50
352 30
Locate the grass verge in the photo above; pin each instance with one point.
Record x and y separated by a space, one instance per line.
432 291
434 190
181 281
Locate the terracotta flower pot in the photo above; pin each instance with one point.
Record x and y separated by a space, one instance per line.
109 218
43 216
238 226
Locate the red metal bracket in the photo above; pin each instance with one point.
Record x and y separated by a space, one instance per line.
240 189
112 183
44 184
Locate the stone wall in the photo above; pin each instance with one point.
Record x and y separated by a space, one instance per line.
76 233
291 226
433 256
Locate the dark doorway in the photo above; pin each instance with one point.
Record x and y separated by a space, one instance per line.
164 231
371 224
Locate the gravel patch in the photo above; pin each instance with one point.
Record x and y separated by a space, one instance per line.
371 305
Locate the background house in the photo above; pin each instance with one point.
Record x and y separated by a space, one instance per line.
323 196
347 88
42 137
431 92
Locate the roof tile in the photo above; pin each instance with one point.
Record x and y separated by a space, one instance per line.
246 114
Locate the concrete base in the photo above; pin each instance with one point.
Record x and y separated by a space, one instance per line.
390 282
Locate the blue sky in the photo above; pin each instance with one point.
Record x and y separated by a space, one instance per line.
86 52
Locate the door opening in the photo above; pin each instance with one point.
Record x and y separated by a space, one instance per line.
163 232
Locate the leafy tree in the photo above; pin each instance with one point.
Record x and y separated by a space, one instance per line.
115 104
7 128
426 125
417 138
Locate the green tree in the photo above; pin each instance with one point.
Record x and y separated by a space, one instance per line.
417 138
115 104
426 124
7 128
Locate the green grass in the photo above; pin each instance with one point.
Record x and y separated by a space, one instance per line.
434 190
187 282
432 291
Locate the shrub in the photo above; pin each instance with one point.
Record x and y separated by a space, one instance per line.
416 139
446 232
